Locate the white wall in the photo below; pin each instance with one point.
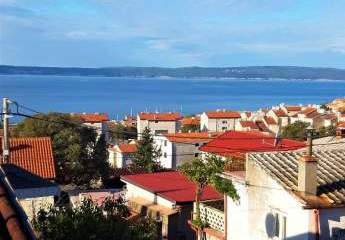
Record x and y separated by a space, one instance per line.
217 124
134 191
166 159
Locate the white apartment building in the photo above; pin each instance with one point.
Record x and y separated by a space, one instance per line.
219 121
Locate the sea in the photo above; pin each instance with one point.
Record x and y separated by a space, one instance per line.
119 96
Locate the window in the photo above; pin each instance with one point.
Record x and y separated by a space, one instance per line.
156 121
165 143
224 128
197 144
196 154
279 226
224 122
165 155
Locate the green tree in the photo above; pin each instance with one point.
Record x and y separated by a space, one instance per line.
79 157
147 154
91 221
295 130
121 132
190 128
206 172
327 131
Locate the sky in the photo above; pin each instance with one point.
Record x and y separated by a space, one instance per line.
172 33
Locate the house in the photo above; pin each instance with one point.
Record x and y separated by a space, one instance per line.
98 121
219 121
190 122
340 130
158 123
252 126
177 148
291 110
329 119
309 115
237 143
32 191
14 224
31 169
120 155
271 124
289 195
279 116
129 121
167 197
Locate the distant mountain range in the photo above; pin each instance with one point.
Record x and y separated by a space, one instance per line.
265 72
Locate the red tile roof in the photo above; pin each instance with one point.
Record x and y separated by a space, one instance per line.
308 111
280 113
174 116
293 108
341 125
237 143
193 137
191 121
92 117
270 120
249 124
128 148
34 155
173 186
223 114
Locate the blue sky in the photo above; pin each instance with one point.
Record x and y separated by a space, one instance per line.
99 33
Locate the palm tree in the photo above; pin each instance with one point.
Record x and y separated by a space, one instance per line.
205 172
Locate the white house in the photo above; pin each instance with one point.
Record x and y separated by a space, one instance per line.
289 195
121 155
98 121
158 123
219 121
166 197
177 148
279 116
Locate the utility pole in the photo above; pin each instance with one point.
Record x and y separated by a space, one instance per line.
5 139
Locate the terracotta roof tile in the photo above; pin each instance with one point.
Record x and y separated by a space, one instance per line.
191 121
223 114
128 148
249 124
240 142
174 116
172 185
34 155
280 113
270 120
293 108
92 117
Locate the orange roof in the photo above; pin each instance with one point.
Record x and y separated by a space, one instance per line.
250 124
308 110
191 121
34 155
280 113
193 137
270 120
223 114
128 148
341 125
170 116
293 108
92 117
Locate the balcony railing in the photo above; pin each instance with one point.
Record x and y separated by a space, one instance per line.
212 213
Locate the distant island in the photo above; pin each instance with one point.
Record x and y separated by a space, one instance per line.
263 72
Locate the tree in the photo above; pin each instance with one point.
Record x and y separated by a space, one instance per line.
147 154
203 173
327 131
295 130
121 132
79 157
190 128
91 221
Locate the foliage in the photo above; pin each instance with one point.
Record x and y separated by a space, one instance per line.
90 221
147 154
80 158
121 132
190 128
327 131
296 130
206 172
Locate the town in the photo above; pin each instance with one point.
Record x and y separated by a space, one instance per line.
275 173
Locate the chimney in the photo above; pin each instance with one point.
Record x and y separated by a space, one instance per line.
307 167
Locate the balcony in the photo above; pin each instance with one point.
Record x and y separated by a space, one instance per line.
212 213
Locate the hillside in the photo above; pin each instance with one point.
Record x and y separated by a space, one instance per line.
285 72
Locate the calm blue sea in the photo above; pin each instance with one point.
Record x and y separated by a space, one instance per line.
118 96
